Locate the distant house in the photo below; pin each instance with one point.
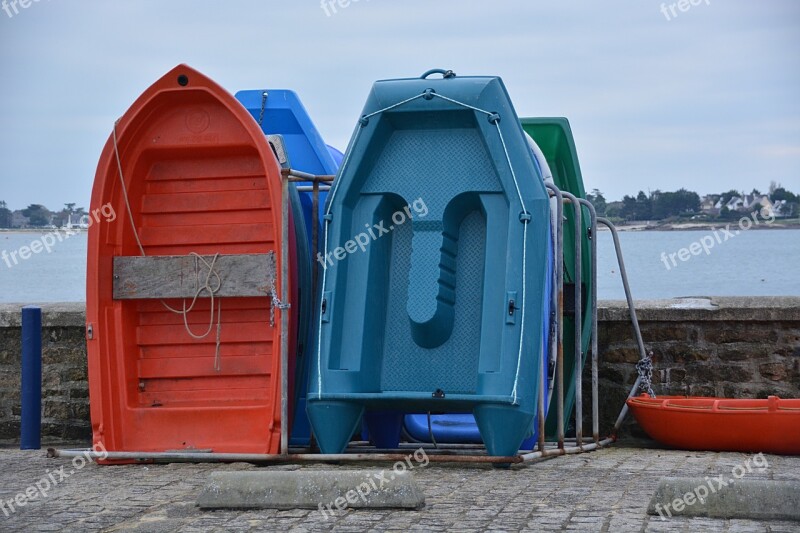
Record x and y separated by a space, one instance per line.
736 203
782 208
708 204
747 202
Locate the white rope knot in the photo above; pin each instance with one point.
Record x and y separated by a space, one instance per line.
212 291
206 286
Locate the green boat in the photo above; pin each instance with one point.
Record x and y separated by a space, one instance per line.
554 137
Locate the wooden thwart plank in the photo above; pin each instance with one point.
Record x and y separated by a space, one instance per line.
180 276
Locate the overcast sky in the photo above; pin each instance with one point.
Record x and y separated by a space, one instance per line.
708 100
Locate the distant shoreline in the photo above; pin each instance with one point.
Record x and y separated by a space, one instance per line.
709 226
689 226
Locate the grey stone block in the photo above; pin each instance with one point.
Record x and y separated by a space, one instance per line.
319 489
743 498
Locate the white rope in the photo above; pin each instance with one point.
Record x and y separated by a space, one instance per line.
319 324
524 262
359 127
398 104
124 191
206 286
325 252
479 110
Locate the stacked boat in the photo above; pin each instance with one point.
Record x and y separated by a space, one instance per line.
417 292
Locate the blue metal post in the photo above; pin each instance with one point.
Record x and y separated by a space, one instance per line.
31 425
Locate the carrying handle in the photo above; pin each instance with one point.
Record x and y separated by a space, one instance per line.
446 74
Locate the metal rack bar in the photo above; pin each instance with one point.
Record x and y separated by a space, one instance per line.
595 357
578 322
634 319
559 312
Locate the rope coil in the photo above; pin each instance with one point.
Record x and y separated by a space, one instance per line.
198 259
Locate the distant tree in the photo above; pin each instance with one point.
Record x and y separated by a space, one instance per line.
5 215
791 209
614 210
38 215
755 192
772 186
628 209
782 194
727 214
670 204
60 219
644 206
69 208
598 201
639 208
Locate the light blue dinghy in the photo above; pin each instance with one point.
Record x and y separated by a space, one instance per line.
435 244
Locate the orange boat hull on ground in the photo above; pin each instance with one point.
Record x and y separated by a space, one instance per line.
200 178
720 424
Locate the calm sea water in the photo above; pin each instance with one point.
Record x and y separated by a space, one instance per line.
753 263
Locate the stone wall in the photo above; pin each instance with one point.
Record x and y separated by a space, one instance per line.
65 395
735 347
726 347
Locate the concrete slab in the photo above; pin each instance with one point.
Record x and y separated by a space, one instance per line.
712 497
311 489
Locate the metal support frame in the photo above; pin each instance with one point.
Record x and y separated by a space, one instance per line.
578 305
359 452
557 340
284 269
595 358
634 319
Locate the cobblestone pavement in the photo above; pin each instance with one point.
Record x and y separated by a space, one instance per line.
606 490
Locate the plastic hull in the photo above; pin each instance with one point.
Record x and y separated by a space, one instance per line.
200 178
554 137
720 424
439 310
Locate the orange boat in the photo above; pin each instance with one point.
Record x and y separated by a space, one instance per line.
720 424
183 295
